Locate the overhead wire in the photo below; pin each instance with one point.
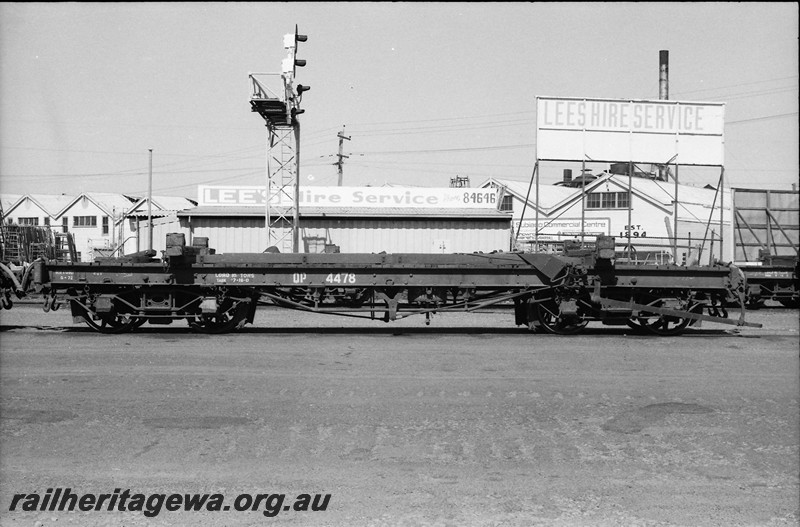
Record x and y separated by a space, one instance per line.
717 88
197 163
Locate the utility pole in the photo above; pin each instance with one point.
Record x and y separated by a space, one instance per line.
340 162
150 202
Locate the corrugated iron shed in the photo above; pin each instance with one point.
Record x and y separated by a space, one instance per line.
352 212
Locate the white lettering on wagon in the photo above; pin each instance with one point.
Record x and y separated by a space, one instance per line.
331 278
234 278
340 278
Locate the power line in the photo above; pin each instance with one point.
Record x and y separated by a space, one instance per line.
443 119
763 118
753 94
451 164
215 180
428 171
447 128
466 149
738 85
199 160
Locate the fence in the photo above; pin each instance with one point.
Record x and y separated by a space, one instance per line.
26 243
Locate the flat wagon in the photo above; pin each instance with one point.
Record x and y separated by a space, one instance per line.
217 293
766 234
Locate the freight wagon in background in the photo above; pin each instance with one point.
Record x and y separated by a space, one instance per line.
766 234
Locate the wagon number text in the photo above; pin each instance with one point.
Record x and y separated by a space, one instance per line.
332 278
340 278
234 278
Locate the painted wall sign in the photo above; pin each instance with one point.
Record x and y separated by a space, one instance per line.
374 197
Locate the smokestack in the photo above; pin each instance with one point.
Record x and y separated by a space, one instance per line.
663 74
567 175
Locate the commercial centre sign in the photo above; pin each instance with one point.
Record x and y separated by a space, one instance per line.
370 197
560 229
642 131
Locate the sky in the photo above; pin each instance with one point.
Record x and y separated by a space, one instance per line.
425 91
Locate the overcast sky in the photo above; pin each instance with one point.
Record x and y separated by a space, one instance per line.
426 91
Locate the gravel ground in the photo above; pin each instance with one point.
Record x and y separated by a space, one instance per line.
469 421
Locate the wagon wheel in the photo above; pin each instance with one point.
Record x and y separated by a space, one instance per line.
113 324
666 325
224 322
214 324
754 302
635 324
554 321
659 324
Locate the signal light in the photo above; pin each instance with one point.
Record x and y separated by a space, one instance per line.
289 68
298 37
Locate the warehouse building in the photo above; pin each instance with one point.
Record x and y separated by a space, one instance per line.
604 201
99 222
348 219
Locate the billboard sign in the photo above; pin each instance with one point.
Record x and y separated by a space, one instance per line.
642 131
370 197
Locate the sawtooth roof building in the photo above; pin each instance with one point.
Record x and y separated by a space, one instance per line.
99 222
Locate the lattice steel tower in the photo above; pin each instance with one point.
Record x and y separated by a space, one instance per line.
276 98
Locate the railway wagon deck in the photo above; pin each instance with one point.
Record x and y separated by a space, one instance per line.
218 293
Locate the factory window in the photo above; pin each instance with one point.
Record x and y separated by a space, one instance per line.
607 200
84 221
65 224
47 221
28 221
105 225
507 204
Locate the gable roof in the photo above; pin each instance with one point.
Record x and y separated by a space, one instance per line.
56 205
111 204
7 201
162 203
50 204
551 197
658 193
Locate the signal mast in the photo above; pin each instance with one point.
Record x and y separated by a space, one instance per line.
277 98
